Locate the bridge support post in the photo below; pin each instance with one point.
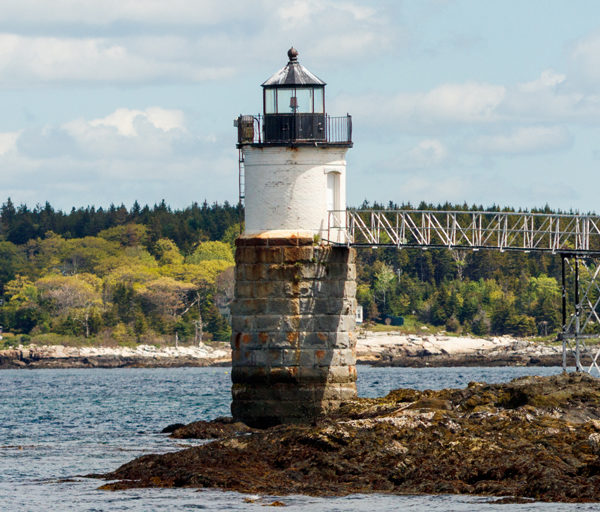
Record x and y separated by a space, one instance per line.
293 317
580 320
564 311
577 318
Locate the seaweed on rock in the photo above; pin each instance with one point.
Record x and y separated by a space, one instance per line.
534 437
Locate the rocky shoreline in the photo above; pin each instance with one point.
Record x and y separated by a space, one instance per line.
534 438
377 349
420 351
142 356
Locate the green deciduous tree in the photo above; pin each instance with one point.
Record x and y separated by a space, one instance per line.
210 251
384 280
73 296
167 252
128 235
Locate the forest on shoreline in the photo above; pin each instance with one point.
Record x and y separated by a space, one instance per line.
156 274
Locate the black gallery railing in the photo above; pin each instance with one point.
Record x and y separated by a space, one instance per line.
294 128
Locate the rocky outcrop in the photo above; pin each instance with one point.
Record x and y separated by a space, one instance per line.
142 356
535 437
411 350
215 429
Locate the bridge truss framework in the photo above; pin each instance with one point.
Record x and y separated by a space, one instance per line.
573 237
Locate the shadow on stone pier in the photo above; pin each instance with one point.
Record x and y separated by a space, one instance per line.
293 317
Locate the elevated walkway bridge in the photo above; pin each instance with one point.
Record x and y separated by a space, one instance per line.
575 238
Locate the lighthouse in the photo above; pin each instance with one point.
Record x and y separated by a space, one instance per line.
293 348
293 157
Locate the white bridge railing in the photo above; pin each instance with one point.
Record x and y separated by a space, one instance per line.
504 231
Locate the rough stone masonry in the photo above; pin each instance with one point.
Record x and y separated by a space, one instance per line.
293 318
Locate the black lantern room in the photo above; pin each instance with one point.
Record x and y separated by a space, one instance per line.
294 112
294 104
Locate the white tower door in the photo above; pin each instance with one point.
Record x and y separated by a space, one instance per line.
333 191
333 197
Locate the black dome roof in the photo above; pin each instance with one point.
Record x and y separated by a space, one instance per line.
293 73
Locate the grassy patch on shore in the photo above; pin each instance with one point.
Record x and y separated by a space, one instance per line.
104 339
411 326
10 340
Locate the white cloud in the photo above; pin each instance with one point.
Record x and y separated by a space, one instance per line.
548 99
585 59
125 134
8 142
326 32
133 134
128 154
94 13
547 79
127 41
449 104
523 140
310 14
469 102
126 120
427 153
49 59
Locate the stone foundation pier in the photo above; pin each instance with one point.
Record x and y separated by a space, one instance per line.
293 319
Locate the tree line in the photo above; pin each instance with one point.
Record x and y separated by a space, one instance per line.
142 273
186 227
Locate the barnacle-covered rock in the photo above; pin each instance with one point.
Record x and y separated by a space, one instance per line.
534 437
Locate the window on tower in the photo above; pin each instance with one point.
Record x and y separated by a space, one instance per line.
284 101
304 101
318 100
270 103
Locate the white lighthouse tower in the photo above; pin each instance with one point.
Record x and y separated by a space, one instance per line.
293 158
293 356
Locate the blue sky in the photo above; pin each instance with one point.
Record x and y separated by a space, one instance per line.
486 102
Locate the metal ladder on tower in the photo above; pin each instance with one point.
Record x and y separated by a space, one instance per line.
242 179
242 189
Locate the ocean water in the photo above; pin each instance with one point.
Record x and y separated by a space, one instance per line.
56 425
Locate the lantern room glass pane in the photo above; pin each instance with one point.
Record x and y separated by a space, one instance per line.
270 101
284 101
304 99
318 93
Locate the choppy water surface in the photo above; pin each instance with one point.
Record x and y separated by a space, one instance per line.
58 424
